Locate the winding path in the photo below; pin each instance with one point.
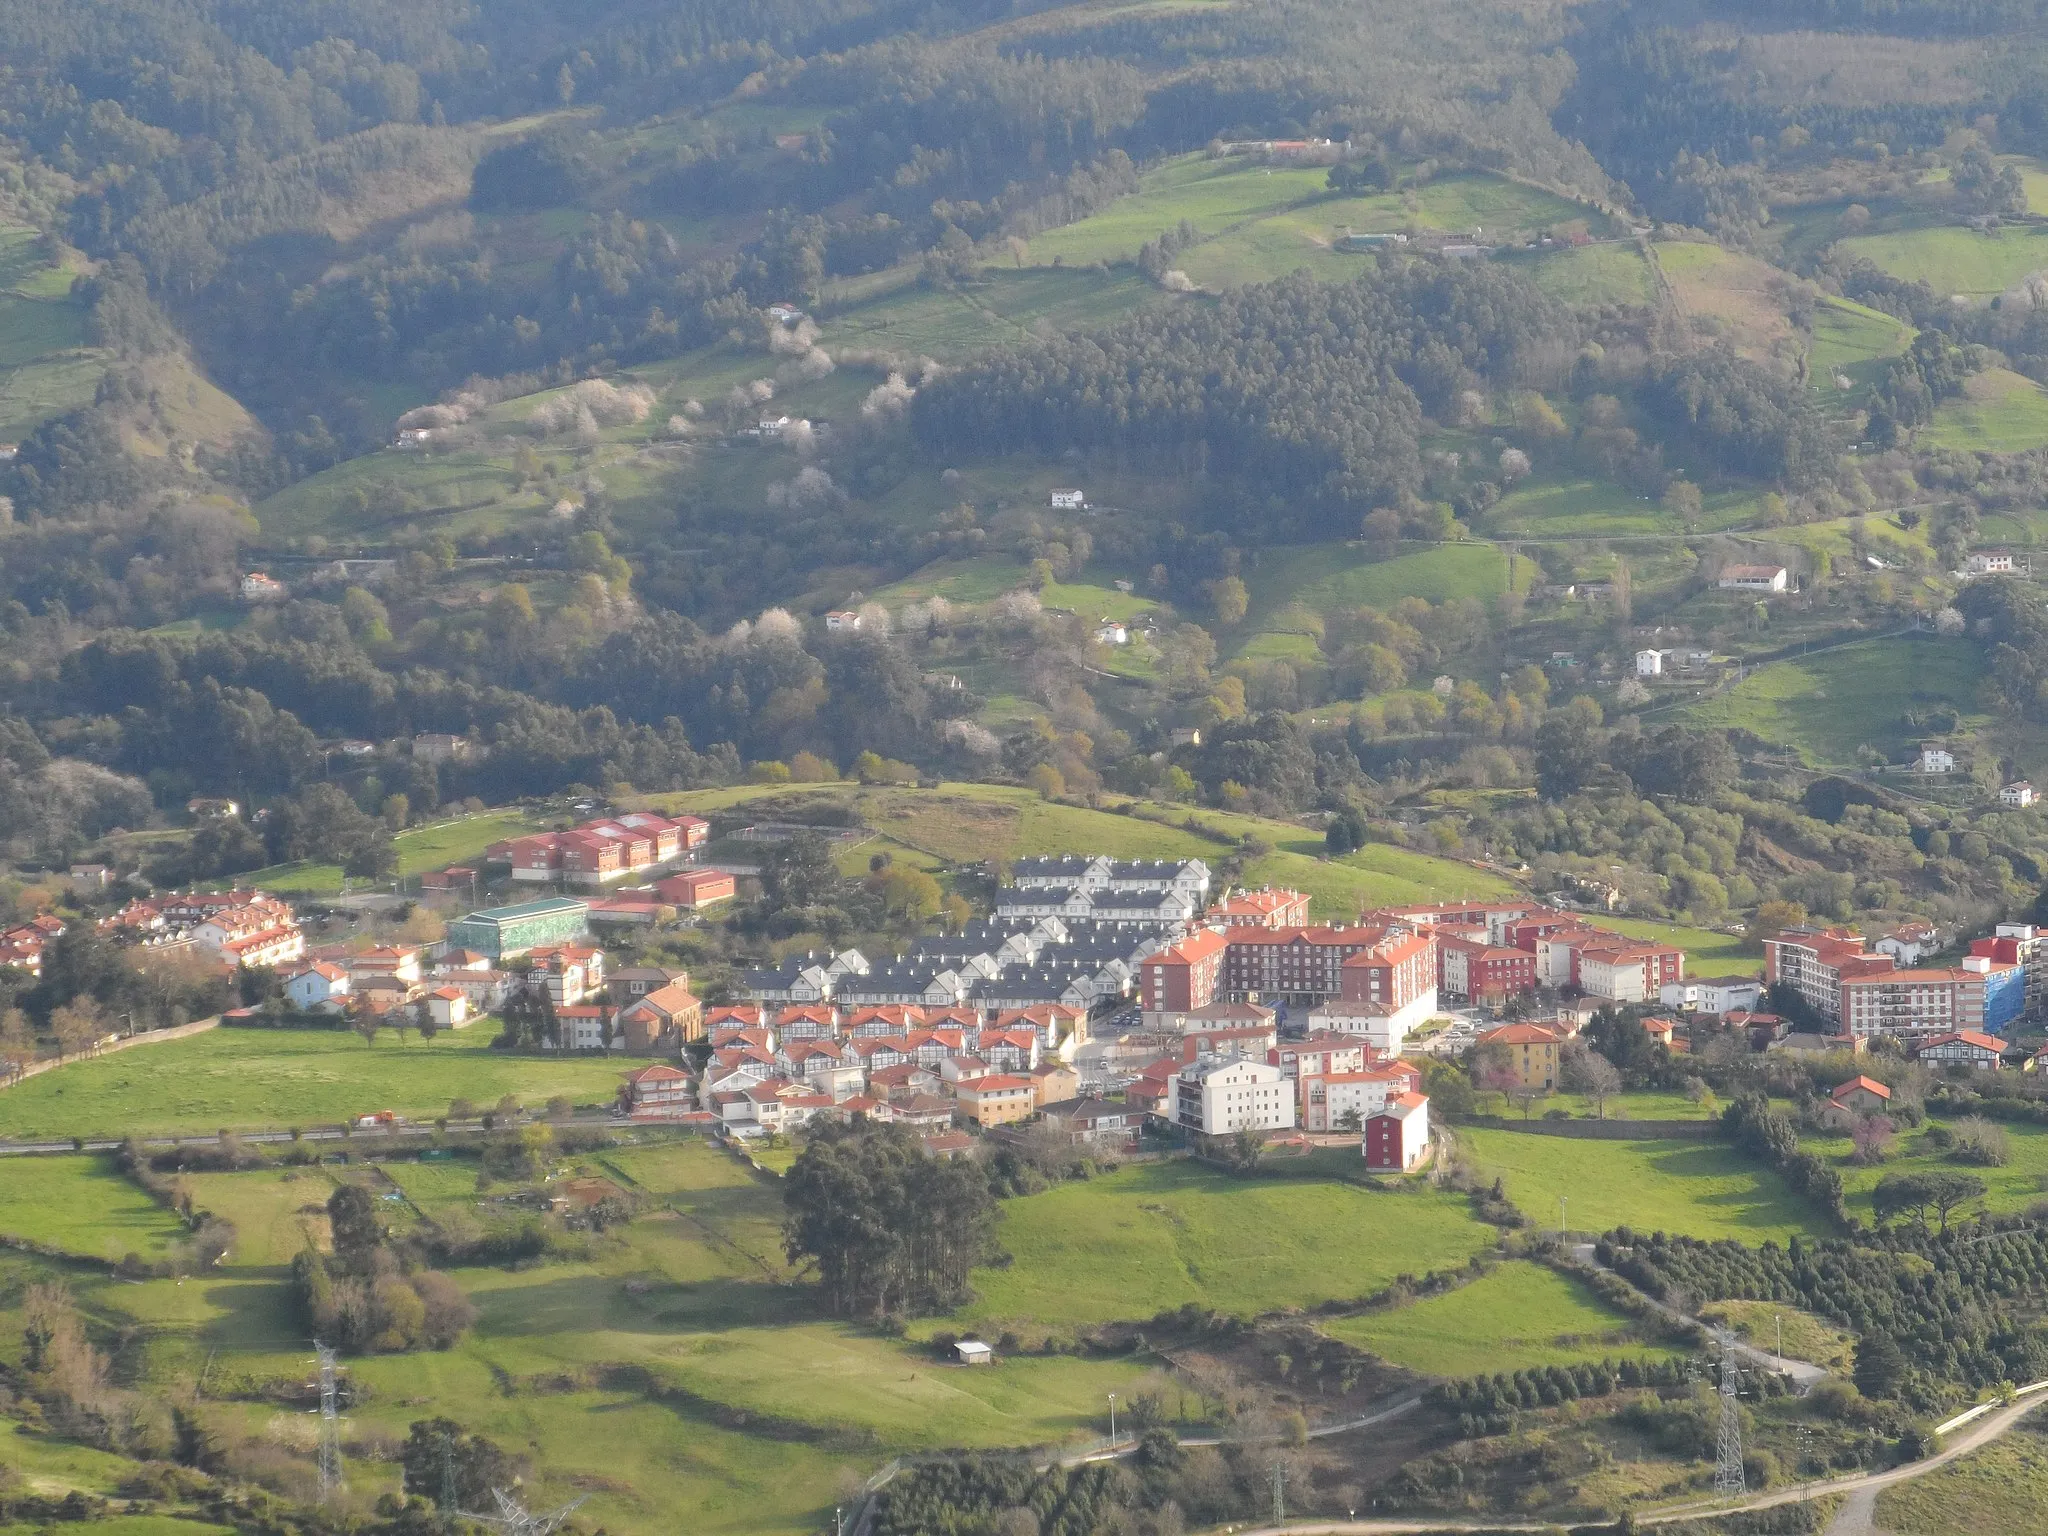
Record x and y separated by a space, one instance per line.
1982 1427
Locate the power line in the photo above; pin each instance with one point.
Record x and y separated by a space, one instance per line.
1279 1498
331 1481
1728 1478
514 1519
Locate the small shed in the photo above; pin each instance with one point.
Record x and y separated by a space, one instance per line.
974 1352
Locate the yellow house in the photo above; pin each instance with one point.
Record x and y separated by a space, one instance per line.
1531 1052
997 1099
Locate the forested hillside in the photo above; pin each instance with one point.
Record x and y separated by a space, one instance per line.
1404 372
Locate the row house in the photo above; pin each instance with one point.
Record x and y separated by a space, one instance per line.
814 978
252 934
1081 872
656 1091
1969 1049
1166 909
22 946
598 852
568 973
395 962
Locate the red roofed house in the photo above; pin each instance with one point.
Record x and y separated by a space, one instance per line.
1964 1048
1396 1138
665 1019
319 987
1183 978
1267 908
1862 1096
697 888
1532 1052
1477 972
1328 1100
997 1099
447 1007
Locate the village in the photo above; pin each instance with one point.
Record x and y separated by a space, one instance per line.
1121 1004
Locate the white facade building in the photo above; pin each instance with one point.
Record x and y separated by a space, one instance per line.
1220 1096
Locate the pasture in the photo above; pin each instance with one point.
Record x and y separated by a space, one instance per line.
2008 1190
46 368
2000 412
1518 1315
1595 275
253 1079
681 1329
1853 341
1328 577
1827 705
1805 1337
82 1205
1952 260
1150 1238
1694 1188
419 849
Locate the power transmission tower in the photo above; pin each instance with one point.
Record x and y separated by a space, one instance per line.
1279 1499
330 1422
513 1518
1728 1478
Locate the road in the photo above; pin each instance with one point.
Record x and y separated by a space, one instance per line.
1986 1429
368 1139
1393 1410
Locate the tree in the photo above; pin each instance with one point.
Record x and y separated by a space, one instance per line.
17 1044
1230 600
452 1466
1346 833
1915 1194
358 1231
1568 749
76 1025
1584 1070
1047 781
887 1227
366 1022
1774 917
1880 1365
1351 1122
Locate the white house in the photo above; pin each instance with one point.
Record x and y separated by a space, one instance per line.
1935 760
1219 1095
448 1007
1113 633
317 988
1650 663
1909 943
842 619
1068 500
1965 1048
1990 562
2019 794
1714 994
261 587
1755 578
1397 1136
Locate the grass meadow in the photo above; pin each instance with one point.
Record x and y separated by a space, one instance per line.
1826 706
1519 1315
46 368
1158 1236
1805 1337
252 1079
2000 412
693 1297
2022 1182
1855 341
2001 1487
1951 259
82 1205
1693 1188
419 849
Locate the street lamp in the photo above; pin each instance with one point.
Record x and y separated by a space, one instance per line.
1112 1418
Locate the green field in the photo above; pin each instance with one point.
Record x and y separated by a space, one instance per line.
2000 412
1855 341
1692 1188
965 823
2001 1487
675 1367
1707 953
1155 1237
1954 260
81 1205
2013 1188
276 1213
1519 1315
1330 577
1596 274
249 1079
1555 508
1768 1323
46 368
419 849
1826 706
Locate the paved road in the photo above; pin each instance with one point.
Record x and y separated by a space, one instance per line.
1966 1440
368 1140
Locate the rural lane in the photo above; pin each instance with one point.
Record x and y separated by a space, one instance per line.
1983 1430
